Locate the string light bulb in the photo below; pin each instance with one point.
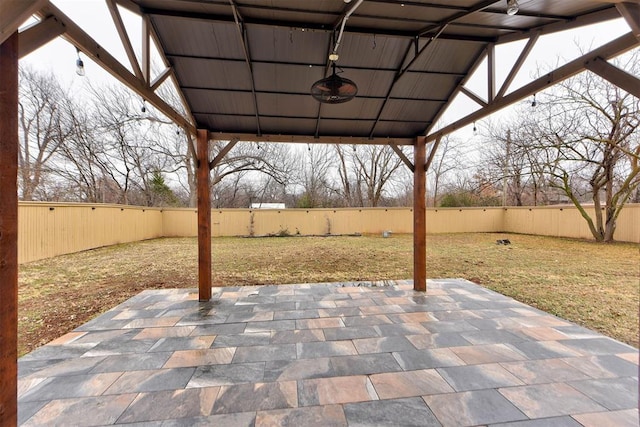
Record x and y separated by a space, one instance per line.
534 103
144 106
79 64
475 129
512 7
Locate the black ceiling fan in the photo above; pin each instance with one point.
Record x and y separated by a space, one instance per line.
334 89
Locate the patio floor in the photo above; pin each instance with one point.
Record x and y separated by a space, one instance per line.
356 354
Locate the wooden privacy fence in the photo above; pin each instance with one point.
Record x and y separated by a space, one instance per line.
50 229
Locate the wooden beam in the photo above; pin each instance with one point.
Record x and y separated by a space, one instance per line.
631 13
518 64
474 96
306 139
225 150
14 13
146 50
568 24
9 231
419 217
160 78
79 38
491 72
613 48
457 90
404 158
432 154
39 34
615 75
204 217
124 38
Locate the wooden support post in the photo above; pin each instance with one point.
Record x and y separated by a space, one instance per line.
419 216
204 217
9 231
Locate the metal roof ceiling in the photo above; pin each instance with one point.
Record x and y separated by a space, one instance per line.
247 66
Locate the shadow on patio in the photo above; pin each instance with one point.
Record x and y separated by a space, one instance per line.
330 355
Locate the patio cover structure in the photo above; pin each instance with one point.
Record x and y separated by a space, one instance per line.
244 69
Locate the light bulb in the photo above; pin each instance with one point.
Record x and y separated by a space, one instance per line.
79 67
512 7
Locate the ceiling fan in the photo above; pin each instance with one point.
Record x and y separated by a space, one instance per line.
334 89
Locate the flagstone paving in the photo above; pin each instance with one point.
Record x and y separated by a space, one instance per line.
332 354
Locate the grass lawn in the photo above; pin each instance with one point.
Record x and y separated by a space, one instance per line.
592 284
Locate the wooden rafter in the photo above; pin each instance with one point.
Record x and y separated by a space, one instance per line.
14 13
474 96
403 157
568 24
39 34
518 64
458 88
225 150
306 139
79 38
432 32
631 13
609 50
160 78
615 75
491 72
146 50
124 38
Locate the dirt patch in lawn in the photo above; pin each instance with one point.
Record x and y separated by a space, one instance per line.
591 284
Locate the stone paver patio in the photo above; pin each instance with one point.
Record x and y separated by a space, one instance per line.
330 355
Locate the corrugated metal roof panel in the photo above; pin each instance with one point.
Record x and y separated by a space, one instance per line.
287 79
405 11
333 127
370 83
215 101
215 74
296 126
316 11
372 52
398 129
203 43
195 6
360 108
200 38
287 44
272 104
410 110
437 57
434 86
230 124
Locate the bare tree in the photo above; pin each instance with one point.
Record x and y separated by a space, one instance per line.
41 127
366 173
585 138
249 161
348 182
508 162
445 160
135 141
317 164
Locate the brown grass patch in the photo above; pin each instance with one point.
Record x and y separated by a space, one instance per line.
591 284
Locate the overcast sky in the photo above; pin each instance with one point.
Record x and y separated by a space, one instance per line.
93 16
